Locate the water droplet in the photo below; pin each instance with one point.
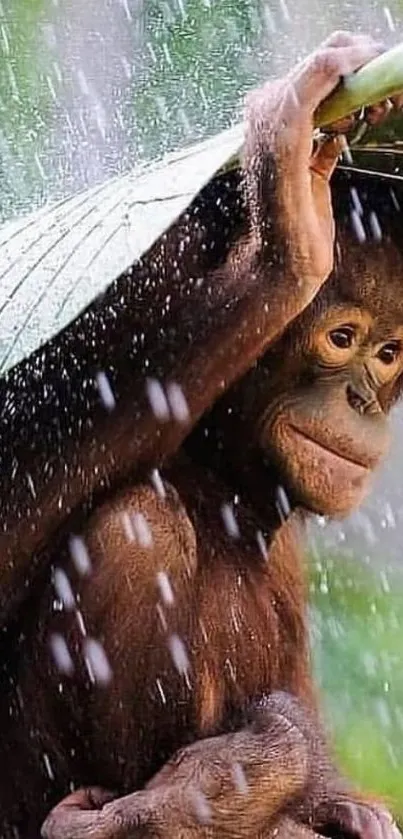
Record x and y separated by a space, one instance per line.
31 485
282 503
128 527
358 227
61 655
63 589
389 19
48 766
177 402
261 541
230 522
142 530
167 54
105 391
356 201
201 806
375 226
158 483
179 655
157 400
285 11
161 691
239 776
165 588
97 663
79 555
127 11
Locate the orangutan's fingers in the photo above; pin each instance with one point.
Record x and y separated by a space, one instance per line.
324 160
376 114
342 126
397 101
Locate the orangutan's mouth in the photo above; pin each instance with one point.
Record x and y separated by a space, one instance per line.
330 449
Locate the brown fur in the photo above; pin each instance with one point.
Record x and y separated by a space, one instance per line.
239 613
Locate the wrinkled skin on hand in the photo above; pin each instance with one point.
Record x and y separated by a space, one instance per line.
271 778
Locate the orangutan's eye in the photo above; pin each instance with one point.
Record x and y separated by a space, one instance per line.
342 337
389 352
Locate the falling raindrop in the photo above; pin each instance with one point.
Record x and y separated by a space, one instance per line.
79 555
97 663
376 229
389 19
230 522
201 806
261 541
165 588
181 7
177 402
239 776
158 483
31 485
161 691
105 391
151 50
127 11
49 82
179 655
61 655
285 11
203 96
162 618
282 503
394 200
142 530
357 226
81 624
167 54
39 166
63 589
5 39
356 201
157 400
128 526
48 766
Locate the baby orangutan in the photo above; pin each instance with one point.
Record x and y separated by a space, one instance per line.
191 598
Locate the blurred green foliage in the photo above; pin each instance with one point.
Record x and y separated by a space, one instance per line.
189 71
198 69
357 621
24 102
